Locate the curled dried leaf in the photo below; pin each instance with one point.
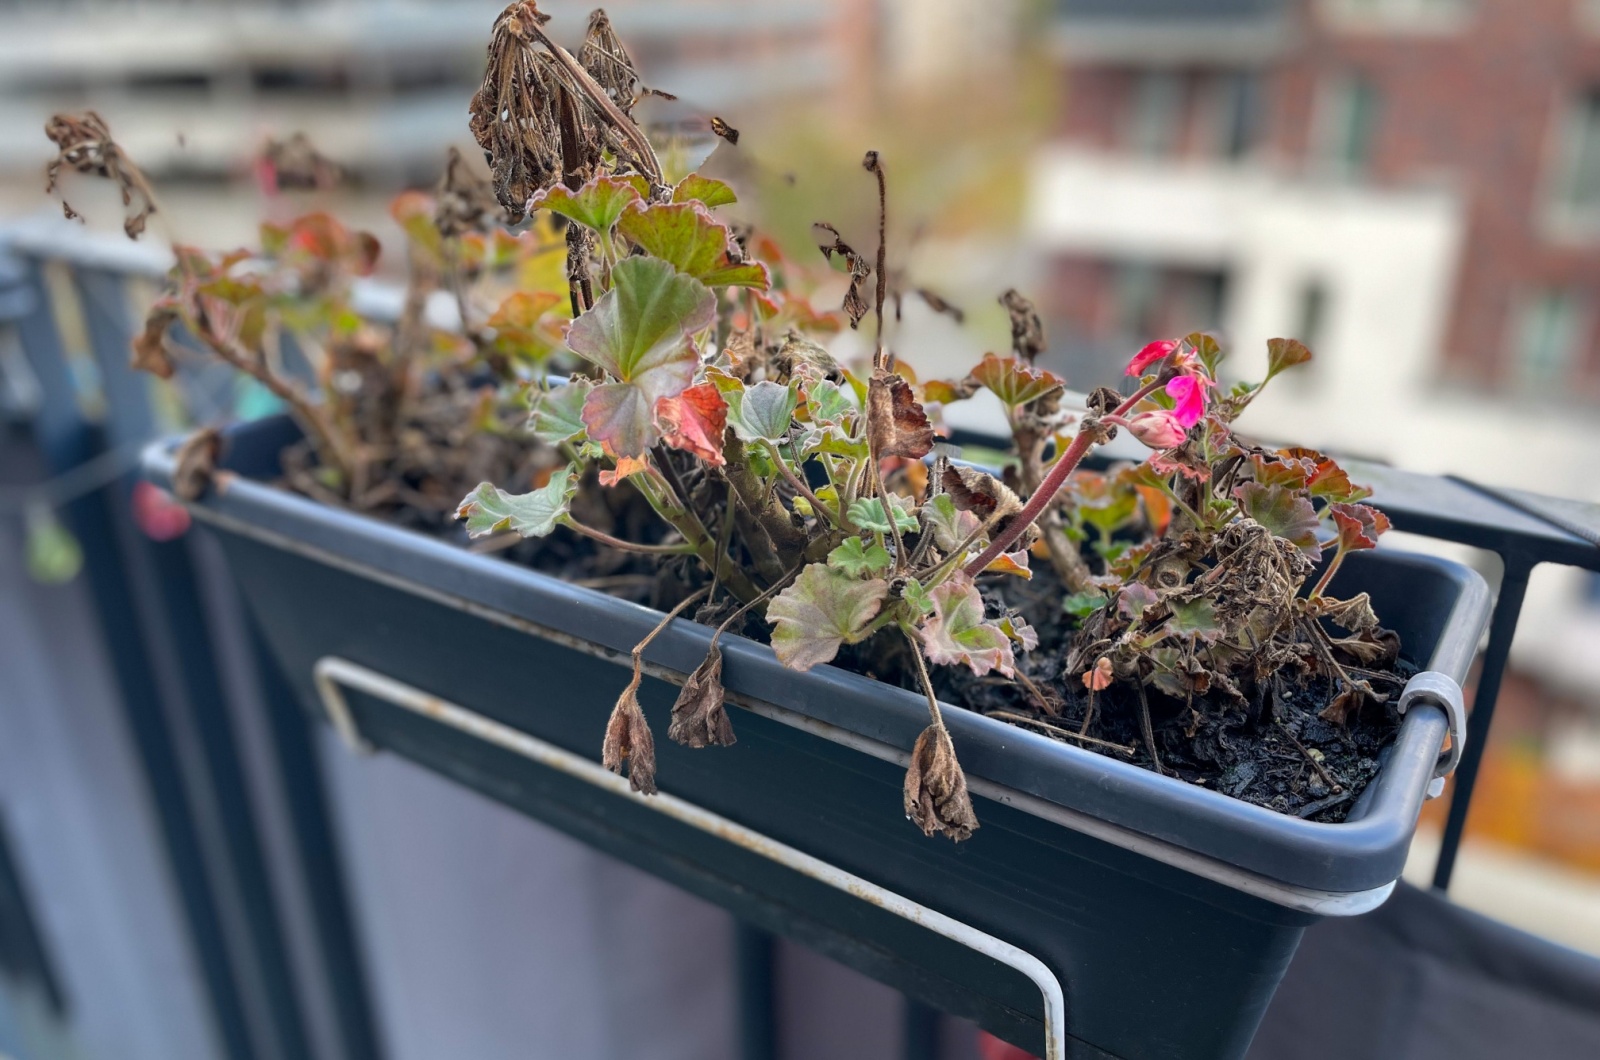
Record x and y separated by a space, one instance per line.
896 422
855 298
1027 330
936 797
84 144
196 463
150 351
628 740
700 716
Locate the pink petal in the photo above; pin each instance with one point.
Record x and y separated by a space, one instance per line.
1158 430
1152 353
1189 395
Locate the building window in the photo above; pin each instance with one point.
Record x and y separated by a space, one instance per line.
1578 182
1236 113
1546 331
1155 119
1311 315
1346 125
1135 293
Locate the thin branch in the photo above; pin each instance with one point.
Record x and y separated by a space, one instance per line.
604 538
1056 730
927 683
1068 462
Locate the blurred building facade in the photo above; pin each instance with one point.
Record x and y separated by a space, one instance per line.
1411 186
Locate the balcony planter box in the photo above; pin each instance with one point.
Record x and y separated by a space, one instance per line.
1168 913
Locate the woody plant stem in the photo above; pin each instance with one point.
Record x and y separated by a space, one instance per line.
1066 465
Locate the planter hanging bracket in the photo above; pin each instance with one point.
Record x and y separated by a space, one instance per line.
1432 688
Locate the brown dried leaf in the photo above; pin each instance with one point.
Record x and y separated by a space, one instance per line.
724 130
628 740
936 796
1354 614
940 305
150 352
196 463
896 422
1027 330
700 716
987 498
84 144
830 243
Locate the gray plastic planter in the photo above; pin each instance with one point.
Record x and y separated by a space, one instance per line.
1166 913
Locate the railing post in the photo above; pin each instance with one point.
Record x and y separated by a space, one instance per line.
1502 628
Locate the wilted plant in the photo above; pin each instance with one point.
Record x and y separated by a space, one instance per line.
794 483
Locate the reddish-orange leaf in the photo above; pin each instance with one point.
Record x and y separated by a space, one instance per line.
694 421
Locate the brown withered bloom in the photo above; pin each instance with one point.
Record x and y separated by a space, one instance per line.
84 144
700 716
1027 330
513 115
296 164
608 62
726 131
464 201
628 740
936 797
897 425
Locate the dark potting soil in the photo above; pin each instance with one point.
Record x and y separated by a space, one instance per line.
1274 751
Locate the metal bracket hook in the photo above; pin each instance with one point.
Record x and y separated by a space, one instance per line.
1435 689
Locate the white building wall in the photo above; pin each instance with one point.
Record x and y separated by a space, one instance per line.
1380 386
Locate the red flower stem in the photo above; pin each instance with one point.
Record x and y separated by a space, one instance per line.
1081 444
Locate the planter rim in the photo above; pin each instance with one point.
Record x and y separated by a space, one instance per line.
1326 869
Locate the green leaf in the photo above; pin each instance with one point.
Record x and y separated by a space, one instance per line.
640 332
1013 381
596 205
688 237
956 632
557 413
1287 513
828 402
1206 348
949 525
858 559
867 513
54 556
695 188
917 597
762 411
819 612
491 510
1283 354
1194 618
1082 605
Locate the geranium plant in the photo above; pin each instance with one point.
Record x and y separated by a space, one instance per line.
660 352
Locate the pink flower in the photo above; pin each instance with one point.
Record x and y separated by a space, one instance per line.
1150 355
157 514
1159 429
1189 396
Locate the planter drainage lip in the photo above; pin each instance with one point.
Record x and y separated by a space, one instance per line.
1327 869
